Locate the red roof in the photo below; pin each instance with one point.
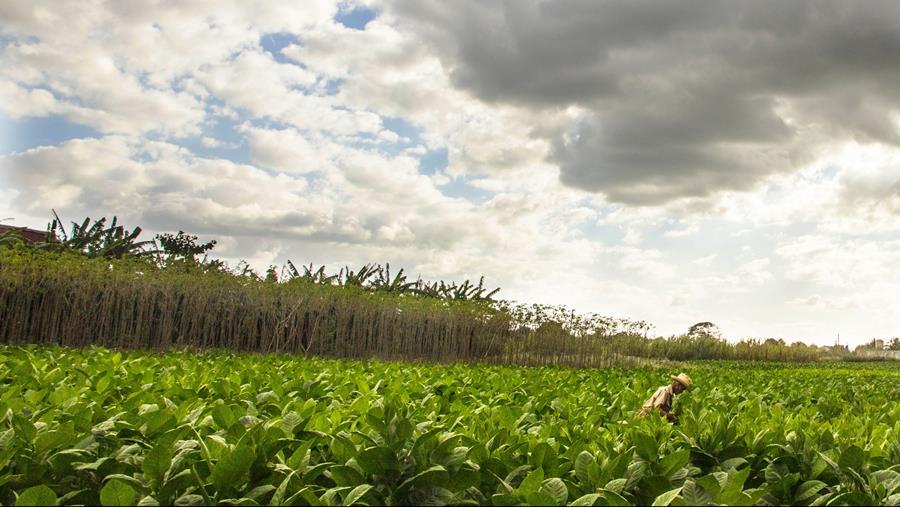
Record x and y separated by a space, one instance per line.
29 235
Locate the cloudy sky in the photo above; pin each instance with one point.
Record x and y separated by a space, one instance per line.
737 162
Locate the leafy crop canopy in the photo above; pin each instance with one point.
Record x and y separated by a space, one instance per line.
92 426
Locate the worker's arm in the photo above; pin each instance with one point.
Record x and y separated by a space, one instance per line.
663 400
655 402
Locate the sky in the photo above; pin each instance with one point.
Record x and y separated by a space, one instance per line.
733 162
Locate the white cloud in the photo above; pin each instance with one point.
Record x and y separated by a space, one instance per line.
211 142
692 228
93 90
290 151
17 102
752 273
827 304
390 71
849 263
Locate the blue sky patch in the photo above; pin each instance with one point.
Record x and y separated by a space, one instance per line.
273 43
24 133
232 143
356 18
8 40
330 87
402 127
460 189
434 160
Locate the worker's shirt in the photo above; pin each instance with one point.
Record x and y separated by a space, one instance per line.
661 399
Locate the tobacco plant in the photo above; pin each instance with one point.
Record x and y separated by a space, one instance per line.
94 426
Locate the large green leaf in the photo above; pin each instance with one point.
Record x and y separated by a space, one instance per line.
357 494
435 476
853 458
157 462
532 482
223 416
281 492
332 496
589 499
544 456
345 475
674 461
230 471
667 497
807 491
582 464
694 494
732 486
299 459
613 498
888 479
853 498
190 499
557 490
539 498
645 446
37 495
117 492
378 460
431 496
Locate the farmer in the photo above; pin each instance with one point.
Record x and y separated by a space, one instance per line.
664 396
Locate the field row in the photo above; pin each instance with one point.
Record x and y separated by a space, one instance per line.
87 426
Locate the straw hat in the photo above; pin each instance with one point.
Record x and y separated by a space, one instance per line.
684 380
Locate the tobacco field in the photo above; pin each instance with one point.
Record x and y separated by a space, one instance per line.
95 426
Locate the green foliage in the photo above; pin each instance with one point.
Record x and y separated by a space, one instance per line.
117 492
143 302
159 294
132 302
298 311
183 246
37 495
704 329
94 239
181 251
376 277
706 346
11 238
102 427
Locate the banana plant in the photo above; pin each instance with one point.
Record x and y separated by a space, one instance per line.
465 291
398 284
95 239
349 278
310 274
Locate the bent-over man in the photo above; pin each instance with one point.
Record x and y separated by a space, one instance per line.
664 396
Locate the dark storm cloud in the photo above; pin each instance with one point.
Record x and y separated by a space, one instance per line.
677 98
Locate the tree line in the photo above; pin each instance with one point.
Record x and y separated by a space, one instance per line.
96 282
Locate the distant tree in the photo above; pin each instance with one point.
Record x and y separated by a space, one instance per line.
874 344
551 327
183 246
704 329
